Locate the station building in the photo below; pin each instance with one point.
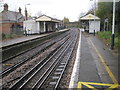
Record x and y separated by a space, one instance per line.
90 23
42 24
11 21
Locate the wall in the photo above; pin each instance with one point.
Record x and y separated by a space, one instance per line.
31 26
94 25
6 27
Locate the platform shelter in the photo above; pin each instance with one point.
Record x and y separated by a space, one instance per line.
42 24
90 23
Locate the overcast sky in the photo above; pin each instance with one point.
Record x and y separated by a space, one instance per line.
54 8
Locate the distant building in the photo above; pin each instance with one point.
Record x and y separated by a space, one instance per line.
11 21
72 24
89 24
41 24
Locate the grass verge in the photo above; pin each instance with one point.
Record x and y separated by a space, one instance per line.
106 37
10 36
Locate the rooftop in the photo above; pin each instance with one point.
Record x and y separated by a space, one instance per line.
89 17
47 18
7 15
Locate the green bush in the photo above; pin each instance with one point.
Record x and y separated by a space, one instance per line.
106 35
3 36
9 36
117 43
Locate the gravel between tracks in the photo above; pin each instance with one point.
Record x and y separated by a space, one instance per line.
64 83
28 54
18 73
15 75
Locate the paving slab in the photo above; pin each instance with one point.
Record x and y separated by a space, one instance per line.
97 64
88 70
97 67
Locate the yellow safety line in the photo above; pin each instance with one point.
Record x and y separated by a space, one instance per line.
101 84
88 84
113 86
85 84
79 85
93 88
106 67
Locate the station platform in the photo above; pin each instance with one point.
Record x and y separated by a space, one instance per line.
21 39
95 66
24 38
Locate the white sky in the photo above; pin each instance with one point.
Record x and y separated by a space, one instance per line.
54 8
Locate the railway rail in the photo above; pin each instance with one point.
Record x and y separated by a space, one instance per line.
11 51
16 65
53 80
46 67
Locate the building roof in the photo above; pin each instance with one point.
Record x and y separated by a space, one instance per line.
89 17
11 16
47 18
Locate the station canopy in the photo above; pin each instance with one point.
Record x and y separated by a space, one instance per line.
47 18
89 17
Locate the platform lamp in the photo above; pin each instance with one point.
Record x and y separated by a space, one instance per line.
26 13
113 26
94 13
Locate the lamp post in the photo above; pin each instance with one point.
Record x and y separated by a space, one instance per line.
113 26
94 13
26 13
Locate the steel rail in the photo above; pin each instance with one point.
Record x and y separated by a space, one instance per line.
51 70
26 76
48 75
54 63
20 43
18 54
8 70
68 57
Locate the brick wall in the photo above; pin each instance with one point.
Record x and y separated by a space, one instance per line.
6 27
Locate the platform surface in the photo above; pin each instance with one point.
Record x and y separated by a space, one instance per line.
24 38
98 67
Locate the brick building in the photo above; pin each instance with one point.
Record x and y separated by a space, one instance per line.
11 21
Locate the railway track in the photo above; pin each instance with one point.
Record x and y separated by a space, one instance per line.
10 52
53 78
40 75
16 65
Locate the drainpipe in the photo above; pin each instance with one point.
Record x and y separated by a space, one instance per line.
44 27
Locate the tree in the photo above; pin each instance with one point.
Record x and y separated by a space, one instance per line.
104 11
118 16
39 13
91 11
81 15
65 19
